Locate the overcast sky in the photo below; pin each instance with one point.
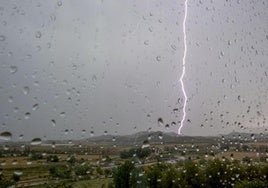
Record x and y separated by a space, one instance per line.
71 69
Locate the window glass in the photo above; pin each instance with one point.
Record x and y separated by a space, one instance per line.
89 77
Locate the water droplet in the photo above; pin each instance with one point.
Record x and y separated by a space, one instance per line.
10 99
21 136
35 106
13 69
62 114
59 3
4 23
91 133
53 121
36 141
146 42
38 48
10 54
160 121
15 109
94 78
5 136
158 58
173 47
2 38
145 144
48 45
160 136
27 115
26 90
38 34
18 173
175 110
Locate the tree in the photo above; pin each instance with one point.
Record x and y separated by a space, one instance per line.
52 158
154 175
138 178
251 184
170 178
4 182
191 176
72 160
139 152
122 175
81 170
16 177
60 172
216 173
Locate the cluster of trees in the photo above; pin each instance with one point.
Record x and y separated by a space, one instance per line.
78 171
8 182
135 152
192 174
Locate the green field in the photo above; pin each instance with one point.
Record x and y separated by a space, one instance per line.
96 183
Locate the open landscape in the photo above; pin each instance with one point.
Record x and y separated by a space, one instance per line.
93 162
134 94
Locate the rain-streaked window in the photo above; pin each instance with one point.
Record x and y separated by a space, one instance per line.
91 88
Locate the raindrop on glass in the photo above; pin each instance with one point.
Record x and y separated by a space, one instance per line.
35 107
53 121
160 121
2 38
5 136
59 3
158 58
160 136
146 42
10 99
145 144
13 69
38 34
26 90
94 78
27 115
173 47
36 141
62 114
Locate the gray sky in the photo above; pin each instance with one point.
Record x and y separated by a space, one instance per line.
72 68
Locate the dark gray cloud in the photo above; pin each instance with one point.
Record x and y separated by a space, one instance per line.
113 66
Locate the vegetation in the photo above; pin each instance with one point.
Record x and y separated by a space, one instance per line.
133 152
158 165
213 173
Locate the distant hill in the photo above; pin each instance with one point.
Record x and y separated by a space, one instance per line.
151 137
156 137
246 136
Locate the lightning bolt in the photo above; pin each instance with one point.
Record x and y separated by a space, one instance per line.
183 67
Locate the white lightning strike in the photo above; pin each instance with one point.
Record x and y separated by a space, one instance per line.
183 67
